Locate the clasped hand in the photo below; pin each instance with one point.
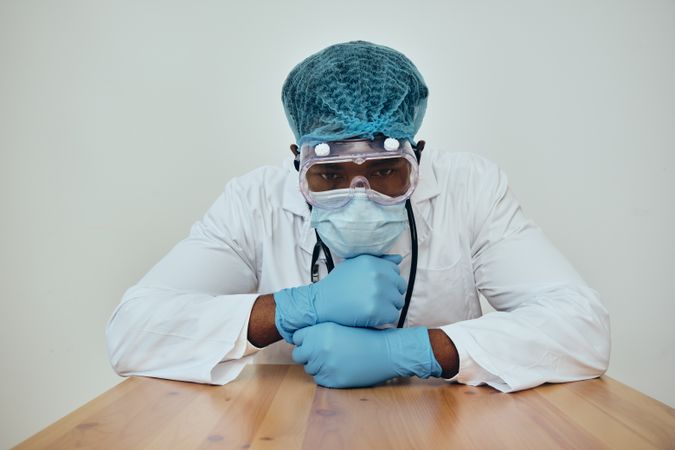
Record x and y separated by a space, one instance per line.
365 291
329 322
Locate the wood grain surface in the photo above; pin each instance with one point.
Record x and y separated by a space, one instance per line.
280 407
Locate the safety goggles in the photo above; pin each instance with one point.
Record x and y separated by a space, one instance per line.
332 173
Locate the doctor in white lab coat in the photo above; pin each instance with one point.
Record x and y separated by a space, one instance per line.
191 317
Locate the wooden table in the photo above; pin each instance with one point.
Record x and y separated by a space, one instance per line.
276 406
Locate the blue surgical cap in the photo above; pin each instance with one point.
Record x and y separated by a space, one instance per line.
354 89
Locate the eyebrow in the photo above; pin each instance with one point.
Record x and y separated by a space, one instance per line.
335 167
347 166
385 162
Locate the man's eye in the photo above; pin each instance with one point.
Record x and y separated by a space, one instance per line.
383 172
330 176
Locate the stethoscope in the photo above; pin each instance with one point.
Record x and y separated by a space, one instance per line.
330 265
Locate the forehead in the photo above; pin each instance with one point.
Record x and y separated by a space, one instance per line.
351 166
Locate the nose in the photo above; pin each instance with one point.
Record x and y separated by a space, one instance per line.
360 182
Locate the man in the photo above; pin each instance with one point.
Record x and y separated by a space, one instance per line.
362 258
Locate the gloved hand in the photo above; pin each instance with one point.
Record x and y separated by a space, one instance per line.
340 357
364 291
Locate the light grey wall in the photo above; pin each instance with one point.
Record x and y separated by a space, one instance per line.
120 122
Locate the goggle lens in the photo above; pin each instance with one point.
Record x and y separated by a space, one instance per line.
331 173
388 176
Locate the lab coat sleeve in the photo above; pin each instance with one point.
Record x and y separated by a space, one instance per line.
187 318
550 326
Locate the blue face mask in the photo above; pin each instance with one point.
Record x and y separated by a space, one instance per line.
362 226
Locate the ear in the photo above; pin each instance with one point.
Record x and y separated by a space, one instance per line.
418 150
420 145
296 160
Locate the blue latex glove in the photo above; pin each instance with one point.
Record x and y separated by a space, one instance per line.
364 291
338 356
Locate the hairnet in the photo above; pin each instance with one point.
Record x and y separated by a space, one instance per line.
354 89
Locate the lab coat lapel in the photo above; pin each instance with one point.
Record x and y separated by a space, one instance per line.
427 189
294 202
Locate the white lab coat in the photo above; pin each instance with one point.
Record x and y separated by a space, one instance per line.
187 318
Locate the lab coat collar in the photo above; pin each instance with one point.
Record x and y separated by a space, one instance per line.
427 189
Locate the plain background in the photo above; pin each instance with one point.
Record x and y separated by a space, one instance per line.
120 123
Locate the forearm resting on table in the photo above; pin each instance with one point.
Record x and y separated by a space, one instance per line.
262 332
445 352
